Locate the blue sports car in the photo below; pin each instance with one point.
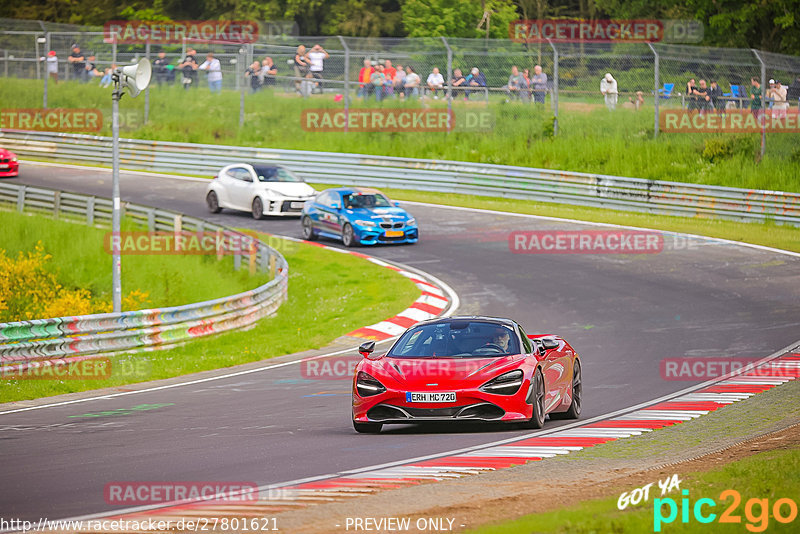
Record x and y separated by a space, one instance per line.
357 215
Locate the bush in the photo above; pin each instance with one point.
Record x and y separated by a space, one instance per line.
716 149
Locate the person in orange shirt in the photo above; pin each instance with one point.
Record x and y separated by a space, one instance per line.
364 76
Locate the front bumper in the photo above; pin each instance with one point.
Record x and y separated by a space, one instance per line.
374 236
11 170
285 206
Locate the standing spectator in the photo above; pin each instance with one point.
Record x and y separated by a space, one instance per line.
411 83
189 69
755 97
364 76
52 64
253 72
78 62
690 94
525 88
715 92
778 94
608 88
514 83
703 99
399 80
214 69
435 81
390 72
475 79
160 68
458 82
378 80
300 67
91 69
539 82
316 58
268 72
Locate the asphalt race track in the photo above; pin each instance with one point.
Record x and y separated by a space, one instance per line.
622 313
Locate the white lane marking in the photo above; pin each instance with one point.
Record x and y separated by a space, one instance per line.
433 301
387 328
415 314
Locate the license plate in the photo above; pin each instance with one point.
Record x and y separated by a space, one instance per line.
3 165
394 233
431 396
298 205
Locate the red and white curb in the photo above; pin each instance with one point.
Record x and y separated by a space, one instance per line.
433 301
692 404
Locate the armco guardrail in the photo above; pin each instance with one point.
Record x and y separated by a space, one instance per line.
583 189
24 342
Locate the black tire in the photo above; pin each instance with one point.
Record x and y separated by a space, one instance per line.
258 209
308 230
348 236
574 411
213 202
367 428
537 399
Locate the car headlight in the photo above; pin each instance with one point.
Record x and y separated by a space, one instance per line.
367 385
366 224
411 222
505 384
14 159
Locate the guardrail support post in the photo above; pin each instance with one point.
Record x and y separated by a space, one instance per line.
56 204
253 257
21 199
151 220
237 260
272 266
90 211
177 227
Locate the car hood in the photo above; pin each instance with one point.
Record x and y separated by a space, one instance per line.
289 189
445 373
6 153
378 213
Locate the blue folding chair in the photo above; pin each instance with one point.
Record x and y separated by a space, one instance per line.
666 91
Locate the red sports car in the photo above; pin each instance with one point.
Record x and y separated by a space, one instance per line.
8 163
467 369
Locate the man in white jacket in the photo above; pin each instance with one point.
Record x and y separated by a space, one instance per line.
608 87
214 68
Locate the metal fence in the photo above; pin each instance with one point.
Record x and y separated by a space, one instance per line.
25 342
657 72
542 185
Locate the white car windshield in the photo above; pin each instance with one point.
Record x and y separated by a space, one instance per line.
275 174
457 339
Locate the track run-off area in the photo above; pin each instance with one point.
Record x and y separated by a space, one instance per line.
623 313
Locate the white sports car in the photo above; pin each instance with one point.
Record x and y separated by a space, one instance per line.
258 188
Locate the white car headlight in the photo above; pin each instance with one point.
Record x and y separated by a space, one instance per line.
366 224
411 222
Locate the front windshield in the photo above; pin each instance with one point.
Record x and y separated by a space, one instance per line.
366 200
275 174
457 339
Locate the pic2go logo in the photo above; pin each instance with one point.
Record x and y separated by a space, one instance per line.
756 511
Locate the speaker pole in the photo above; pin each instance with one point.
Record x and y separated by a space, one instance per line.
116 262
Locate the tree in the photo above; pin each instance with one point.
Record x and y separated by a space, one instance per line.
457 18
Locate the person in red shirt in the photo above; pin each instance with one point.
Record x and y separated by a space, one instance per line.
364 76
389 71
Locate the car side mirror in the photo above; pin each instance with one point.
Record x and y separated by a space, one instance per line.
366 348
549 343
396 204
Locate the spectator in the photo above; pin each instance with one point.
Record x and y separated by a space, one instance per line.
525 87
300 66
715 92
308 85
778 94
514 83
189 69
608 88
91 69
364 76
399 81
268 72
638 102
316 58
703 99
755 97
458 82
253 72
411 83
160 68
539 81
475 79
78 62
691 96
214 68
389 71
435 82
378 79
106 80
52 64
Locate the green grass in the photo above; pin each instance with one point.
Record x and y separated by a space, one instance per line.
330 294
79 260
766 234
590 138
767 475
